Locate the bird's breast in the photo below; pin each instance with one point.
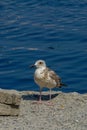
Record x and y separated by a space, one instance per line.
39 77
39 74
42 79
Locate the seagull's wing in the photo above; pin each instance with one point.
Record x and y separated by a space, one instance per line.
55 77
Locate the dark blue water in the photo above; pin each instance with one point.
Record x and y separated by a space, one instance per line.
53 30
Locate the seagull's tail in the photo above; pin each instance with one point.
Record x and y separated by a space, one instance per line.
62 84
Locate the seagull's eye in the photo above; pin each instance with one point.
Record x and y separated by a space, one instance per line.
40 63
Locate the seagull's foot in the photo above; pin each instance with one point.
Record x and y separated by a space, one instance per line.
38 102
49 103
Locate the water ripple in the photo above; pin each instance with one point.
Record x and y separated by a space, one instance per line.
51 30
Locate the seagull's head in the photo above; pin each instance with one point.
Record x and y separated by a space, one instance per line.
39 64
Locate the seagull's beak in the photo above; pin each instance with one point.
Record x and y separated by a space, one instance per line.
31 66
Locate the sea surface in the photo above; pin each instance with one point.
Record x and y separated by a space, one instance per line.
52 30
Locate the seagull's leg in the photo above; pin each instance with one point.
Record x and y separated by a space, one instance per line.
40 100
49 103
50 95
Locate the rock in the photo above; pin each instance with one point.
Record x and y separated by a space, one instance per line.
9 110
67 112
9 97
9 102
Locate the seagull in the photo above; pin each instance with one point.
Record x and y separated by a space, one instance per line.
45 77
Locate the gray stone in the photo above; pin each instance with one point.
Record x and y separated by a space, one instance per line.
9 110
9 102
9 97
67 112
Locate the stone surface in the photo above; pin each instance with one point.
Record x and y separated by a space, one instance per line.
9 102
67 112
9 110
9 97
